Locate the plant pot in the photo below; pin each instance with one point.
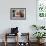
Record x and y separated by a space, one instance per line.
40 41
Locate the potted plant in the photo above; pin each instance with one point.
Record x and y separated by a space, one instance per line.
39 35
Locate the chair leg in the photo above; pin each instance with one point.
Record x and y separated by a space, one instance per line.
17 39
5 40
5 43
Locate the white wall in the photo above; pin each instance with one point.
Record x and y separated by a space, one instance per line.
24 25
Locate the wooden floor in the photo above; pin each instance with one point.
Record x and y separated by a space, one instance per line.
13 44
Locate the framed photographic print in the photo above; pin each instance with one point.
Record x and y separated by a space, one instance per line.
18 13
